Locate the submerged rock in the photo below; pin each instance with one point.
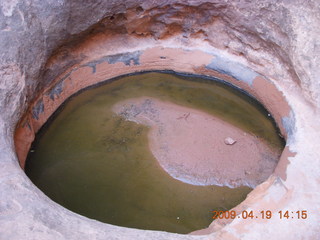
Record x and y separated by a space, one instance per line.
229 141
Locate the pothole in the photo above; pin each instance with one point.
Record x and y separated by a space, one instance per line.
260 48
155 151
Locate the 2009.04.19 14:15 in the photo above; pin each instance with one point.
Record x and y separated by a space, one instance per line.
301 214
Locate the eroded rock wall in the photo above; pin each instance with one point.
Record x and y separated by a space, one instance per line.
277 38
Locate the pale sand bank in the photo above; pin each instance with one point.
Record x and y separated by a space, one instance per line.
190 144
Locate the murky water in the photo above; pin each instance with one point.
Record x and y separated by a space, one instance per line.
95 163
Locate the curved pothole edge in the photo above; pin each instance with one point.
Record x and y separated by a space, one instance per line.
197 62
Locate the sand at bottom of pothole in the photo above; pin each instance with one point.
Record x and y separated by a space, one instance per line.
199 148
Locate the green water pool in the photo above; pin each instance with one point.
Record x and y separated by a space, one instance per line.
97 164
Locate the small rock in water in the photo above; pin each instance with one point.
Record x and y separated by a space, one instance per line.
229 141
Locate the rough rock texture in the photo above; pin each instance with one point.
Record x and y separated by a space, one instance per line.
40 40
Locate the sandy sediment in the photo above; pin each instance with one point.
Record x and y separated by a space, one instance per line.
197 148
